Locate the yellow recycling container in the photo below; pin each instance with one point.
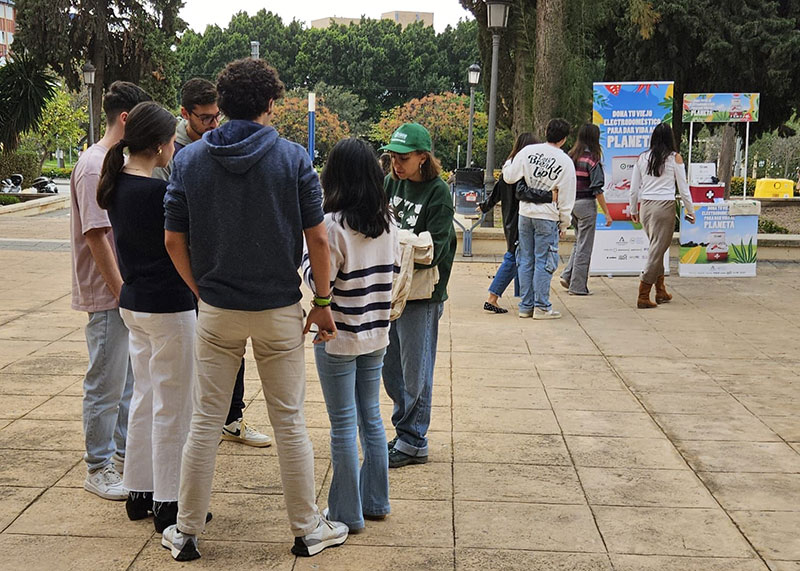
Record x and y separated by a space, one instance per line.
774 188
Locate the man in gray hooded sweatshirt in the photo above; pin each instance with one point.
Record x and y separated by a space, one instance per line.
245 198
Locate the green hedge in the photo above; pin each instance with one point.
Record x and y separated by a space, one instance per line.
55 172
8 200
736 186
25 163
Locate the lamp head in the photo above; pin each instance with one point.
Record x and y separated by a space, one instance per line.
88 73
497 14
474 74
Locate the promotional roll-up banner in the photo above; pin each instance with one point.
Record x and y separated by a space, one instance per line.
626 114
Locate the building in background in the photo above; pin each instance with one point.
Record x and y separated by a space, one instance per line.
8 25
397 16
406 18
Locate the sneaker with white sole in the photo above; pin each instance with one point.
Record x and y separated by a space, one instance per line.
182 545
539 313
106 483
328 534
239 431
525 314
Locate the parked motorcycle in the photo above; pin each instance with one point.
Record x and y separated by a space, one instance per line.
12 183
45 185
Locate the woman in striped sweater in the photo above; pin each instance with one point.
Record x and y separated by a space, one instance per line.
364 255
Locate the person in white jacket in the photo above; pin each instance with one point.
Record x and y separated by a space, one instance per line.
544 214
653 181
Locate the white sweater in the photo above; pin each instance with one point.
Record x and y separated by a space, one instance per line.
362 271
544 166
648 187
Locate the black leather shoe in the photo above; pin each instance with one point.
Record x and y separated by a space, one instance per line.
399 459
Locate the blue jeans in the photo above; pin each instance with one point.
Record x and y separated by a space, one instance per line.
505 273
408 373
107 388
351 385
538 259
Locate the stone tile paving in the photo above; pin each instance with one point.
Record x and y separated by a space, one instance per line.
664 440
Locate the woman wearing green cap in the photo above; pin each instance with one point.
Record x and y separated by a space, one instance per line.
421 202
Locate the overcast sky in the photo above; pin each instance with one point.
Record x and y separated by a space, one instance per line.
200 13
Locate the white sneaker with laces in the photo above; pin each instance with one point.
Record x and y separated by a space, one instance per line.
328 534
106 483
539 313
182 546
238 431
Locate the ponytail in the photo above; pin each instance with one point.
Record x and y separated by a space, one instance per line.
112 166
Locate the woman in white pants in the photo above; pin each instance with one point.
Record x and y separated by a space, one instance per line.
159 311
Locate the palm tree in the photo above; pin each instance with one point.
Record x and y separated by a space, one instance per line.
25 88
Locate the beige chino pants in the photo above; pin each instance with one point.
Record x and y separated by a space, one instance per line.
277 336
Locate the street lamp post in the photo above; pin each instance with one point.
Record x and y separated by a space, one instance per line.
88 79
473 77
497 19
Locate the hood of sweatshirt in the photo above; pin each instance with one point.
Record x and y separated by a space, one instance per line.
237 145
181 136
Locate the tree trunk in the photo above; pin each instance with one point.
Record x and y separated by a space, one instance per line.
548 62
524 30
727 149
98 58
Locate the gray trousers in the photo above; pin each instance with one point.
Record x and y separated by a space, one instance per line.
584 219
658 221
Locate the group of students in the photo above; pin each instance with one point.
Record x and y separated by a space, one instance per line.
176 275
544 190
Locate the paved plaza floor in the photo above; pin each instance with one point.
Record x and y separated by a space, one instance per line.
614 438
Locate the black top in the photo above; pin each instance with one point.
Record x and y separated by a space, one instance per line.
504 193
151 282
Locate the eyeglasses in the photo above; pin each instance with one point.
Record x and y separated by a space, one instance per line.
208 119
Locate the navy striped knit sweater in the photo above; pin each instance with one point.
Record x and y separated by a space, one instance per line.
362 271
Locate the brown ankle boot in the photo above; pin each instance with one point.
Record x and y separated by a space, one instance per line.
662 296
643 302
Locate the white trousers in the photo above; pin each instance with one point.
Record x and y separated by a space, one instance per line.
161 352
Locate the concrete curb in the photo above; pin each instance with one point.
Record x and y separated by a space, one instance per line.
38 206
492 242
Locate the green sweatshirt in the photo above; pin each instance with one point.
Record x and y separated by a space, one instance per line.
421 206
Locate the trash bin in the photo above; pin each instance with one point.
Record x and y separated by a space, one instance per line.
468 191
774 188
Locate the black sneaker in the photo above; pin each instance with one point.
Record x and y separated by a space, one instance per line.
391 443
139 505
165 514
399 459
493 308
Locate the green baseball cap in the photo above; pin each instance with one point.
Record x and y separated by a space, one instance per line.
409 137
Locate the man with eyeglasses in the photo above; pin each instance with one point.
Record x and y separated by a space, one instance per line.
200 114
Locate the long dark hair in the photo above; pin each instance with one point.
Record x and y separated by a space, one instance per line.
522 141
148 127
352 181
588 138
662 145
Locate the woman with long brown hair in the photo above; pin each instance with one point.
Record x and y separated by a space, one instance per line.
504 194
586 154
655 175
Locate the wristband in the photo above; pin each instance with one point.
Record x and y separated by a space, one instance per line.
321 301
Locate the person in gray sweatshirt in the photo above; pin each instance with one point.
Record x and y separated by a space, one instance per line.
199 115
245 199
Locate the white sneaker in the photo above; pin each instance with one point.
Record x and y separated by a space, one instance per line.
119 463
106 483
539 313
182 545
328 534
238 431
